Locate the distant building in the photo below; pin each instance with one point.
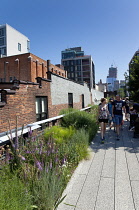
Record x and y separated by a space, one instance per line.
101 86
122 83
110 83
116 85
111 79
12 42
112 72
79 67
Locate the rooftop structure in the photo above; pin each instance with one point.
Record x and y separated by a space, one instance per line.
12 42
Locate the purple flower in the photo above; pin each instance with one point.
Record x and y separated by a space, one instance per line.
16 143
47 169
28 152
23 158
48 152
56 159
39 165
30 132
40 152
51 164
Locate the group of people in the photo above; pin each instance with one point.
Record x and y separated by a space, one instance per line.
112 113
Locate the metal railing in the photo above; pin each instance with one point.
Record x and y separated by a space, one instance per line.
5 136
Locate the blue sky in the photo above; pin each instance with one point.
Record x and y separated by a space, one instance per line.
108 30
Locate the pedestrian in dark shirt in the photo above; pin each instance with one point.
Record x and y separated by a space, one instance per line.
127 108
118 108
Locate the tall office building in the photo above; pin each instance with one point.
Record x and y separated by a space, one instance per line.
112 79
79 67
12 42
112 72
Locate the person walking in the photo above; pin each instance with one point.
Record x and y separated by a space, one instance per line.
110 113
117 113
127 108
103 117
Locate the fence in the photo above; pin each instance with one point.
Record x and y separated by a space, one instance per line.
6 136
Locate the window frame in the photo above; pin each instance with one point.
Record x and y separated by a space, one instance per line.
39 115
19 46
70 100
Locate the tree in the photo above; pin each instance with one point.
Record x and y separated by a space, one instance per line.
133 80
121 92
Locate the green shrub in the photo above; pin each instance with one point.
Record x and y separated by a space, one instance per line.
82 119
78 146
59 134
67 111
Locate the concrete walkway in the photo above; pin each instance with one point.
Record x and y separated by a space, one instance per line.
109 180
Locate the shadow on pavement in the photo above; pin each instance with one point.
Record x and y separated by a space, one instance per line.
127 140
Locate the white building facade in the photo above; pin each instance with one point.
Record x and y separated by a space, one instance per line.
12 42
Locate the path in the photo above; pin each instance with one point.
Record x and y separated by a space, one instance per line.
109 180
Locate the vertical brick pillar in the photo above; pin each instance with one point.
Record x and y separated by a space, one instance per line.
37 73
43 71
6 79
17 69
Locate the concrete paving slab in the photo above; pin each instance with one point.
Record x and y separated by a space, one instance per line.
72 191
123 193
105 197
109 163
135 190
89 192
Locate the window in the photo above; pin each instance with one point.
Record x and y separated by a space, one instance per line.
19 47
78 68
86 68
41 108
82 100
2 32
2 41
3 51
78 62
28 45
72 75
70 100
71 68
85 61
79 74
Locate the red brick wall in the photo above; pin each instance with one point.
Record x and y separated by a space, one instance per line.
26 67
22 105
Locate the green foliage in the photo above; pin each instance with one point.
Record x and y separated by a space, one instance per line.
48 189
81 119
78 146
37 172
13 193
121 92
67 111
58 133
134 80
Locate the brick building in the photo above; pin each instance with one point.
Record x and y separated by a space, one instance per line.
33 89
26 67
